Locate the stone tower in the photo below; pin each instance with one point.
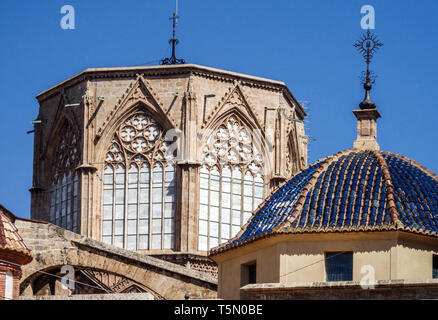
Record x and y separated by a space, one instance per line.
167 160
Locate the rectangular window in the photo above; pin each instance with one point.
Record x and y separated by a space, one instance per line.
435 267
9 286
252 273
248 275
339 266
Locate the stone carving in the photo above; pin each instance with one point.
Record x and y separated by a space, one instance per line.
233 144
139 139
67 153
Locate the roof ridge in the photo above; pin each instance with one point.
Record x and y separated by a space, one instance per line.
302 197
389 189
413 162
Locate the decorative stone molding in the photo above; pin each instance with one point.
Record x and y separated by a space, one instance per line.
382 290
159 71
234 98
366 129
138 91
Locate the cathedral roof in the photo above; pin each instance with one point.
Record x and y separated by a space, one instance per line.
354 190
10 239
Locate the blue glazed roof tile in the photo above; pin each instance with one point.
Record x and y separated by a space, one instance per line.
351 191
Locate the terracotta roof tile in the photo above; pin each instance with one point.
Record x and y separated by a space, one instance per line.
10 239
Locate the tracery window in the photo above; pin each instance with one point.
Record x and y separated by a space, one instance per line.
231 183
139 187
64 186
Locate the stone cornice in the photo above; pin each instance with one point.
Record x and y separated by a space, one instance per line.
154 71
367 113
386 284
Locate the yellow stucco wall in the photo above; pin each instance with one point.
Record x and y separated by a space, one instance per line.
267 259
304 261
414 258
300 258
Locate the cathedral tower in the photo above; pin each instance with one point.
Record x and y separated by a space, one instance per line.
165 160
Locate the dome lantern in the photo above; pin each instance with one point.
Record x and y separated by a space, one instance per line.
366 129
368 114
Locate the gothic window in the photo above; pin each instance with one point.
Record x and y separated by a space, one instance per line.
64 186
138 187
231 183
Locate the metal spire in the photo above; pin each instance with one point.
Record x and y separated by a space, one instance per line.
368 44
173 41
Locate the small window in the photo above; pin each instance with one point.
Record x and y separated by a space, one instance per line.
252 273
9 286
248 276
339 266
435 267
248 273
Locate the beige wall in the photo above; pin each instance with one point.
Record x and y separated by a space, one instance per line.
304 261
414 257
300 258
267 260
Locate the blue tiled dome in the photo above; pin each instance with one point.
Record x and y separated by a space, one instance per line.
350 191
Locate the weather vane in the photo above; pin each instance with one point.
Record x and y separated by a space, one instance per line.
173 41
367 45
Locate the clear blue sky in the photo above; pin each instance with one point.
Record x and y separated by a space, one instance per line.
307 44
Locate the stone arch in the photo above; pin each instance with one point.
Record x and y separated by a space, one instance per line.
50 275
233 99
62 157
132 110
64 123
232 158
252 125
120 117
163 285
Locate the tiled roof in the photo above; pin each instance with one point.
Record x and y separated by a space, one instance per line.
10 239
354 190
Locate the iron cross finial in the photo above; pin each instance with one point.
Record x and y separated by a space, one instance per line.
367 45
174 41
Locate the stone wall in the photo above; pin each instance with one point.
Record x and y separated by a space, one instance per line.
53 247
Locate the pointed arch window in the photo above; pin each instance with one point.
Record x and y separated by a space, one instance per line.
231 183
139 187
64 185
